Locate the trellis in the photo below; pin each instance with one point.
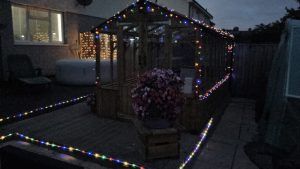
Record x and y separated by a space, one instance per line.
148 36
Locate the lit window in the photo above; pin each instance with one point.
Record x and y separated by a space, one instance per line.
19 23
37 25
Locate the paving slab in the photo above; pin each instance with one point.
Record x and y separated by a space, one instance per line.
224 150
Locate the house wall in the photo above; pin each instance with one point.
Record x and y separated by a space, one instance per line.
197 14
181 6
44 56
184 7
102 8
99 8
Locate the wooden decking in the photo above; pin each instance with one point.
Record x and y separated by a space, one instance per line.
76 126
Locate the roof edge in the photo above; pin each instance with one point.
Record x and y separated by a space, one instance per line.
199 6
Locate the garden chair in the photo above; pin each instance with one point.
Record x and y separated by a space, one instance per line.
20 69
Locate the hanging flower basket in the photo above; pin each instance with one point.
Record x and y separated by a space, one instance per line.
157 100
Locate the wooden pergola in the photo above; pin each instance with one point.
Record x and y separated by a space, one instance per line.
147 36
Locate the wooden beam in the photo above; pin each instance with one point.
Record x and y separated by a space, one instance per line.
134 57
168 47
121 72
148 18
111 57
143 52
98 59
155 27
98 73
130 27
121 58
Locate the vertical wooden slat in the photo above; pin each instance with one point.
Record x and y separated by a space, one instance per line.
98 74
251 67
197 60
168 46
120 55
143 50
111 57
121 70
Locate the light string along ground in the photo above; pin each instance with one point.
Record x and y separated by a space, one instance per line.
44 108
69 149
198 145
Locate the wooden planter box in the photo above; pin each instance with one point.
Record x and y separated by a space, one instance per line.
114 101
158 143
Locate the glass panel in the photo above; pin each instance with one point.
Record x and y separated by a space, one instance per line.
105 47
56 27
87 47
19 23
39 25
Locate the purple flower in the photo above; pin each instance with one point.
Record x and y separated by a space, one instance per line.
158 92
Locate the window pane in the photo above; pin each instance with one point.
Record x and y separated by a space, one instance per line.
56 27
39 25
19 23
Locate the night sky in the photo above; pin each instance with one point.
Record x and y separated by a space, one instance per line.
246 13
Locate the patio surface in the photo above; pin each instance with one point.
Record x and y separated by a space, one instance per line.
76 126
15 99
224 150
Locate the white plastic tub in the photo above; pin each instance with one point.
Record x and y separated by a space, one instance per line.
82 72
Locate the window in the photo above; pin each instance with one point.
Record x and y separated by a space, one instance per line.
37 25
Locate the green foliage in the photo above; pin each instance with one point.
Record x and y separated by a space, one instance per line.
266 33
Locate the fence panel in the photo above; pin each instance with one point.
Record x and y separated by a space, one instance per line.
251 68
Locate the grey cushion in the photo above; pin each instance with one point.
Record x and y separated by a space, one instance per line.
40 80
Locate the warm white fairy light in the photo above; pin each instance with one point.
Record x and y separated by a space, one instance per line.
87 46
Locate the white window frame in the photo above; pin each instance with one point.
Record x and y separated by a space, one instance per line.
28 41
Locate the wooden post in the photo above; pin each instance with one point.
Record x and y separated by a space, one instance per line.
168 47
197 88
98 74
111 57
134 58
143 52
121 71
121 59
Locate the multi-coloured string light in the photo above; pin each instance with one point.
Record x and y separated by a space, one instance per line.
214 88
90 154
198 60
144 5
198 145
20 116
150 7
199 26
69 149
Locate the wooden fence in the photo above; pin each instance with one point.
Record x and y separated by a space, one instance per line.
251 68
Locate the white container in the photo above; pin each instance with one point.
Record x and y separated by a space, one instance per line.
82 72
